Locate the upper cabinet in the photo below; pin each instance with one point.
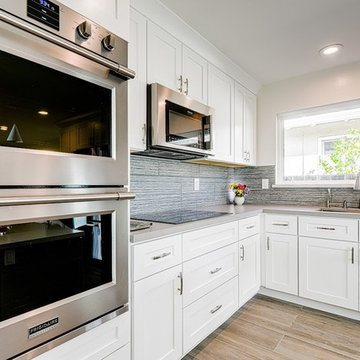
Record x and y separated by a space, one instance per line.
174 65
220 95
159 57
111 14
244 125
137 86
163 58
195 75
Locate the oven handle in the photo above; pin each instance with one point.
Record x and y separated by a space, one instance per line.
117 68
54 199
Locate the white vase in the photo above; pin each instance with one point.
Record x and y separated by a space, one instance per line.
231 196
239 200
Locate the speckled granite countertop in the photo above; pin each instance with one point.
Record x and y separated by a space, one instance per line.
159 230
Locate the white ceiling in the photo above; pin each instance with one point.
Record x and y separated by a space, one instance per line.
276 39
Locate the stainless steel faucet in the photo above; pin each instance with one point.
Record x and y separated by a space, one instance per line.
345 204
328 200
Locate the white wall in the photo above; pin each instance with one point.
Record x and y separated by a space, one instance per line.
320 88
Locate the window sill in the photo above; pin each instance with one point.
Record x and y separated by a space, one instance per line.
324 186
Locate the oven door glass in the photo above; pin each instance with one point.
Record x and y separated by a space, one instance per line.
186 127
44 109
43 262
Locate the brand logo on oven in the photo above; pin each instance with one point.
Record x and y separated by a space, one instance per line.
43 328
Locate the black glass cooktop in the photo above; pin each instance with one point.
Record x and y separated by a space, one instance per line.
177 216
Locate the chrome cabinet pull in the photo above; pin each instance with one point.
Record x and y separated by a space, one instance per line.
180 276
144 134
268 242
352 255
215 309
245 156
181 84
215 271
250 227
157 257
242 257
187 86
279 224
325 228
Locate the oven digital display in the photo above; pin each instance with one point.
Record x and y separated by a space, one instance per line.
45 12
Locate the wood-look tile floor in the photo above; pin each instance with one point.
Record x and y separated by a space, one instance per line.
268 329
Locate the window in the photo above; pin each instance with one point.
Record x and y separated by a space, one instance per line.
319 146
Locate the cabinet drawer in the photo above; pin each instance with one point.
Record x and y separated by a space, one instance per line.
95 344
205 273
199 242
205 315
249 227
155 256
281 224
121 354
329 228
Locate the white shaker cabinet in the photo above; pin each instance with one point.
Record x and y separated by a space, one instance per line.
328 271
111 14
174 65
281 263
157 316
220 95
244 125
137 86
249 268
163 58
195 75
249 128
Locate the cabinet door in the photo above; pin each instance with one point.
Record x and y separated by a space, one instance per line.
111 14
137 86
249 268
250 127
194 75
221 93
239 131
281 263
157 316
328 271
163 58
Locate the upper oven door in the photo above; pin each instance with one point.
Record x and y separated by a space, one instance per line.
63 117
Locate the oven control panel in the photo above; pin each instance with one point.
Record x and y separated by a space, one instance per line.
70 25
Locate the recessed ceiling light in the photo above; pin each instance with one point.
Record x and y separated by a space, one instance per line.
43 112
3 128
331 49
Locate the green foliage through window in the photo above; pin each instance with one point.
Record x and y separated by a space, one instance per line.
345 159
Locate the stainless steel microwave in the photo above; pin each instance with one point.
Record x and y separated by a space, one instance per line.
178 126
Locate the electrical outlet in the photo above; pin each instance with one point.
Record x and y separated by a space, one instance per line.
196 184
265 183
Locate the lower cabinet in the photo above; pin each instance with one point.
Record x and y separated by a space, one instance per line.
328 271
205 315
249 268
282 263
157 316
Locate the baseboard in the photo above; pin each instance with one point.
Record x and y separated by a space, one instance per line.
351 314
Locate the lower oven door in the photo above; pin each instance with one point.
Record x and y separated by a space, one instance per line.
63 263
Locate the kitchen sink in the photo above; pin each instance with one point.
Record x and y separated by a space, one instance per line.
340 209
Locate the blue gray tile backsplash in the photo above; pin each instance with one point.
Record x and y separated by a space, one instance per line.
162 185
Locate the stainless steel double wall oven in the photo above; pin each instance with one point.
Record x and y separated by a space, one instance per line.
64 209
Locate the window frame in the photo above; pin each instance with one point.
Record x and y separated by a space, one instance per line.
279 168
